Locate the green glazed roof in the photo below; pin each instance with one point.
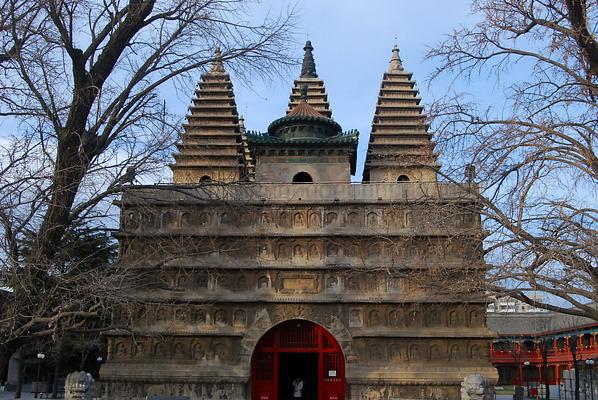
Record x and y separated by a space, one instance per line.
351 136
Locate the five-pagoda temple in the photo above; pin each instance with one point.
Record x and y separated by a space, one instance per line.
268 274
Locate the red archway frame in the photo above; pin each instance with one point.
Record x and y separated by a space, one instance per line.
297 336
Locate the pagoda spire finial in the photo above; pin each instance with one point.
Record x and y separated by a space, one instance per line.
217 65
308 67
241 124
395 62
304 93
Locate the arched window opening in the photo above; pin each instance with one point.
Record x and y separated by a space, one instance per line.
403 178
205 179
302 177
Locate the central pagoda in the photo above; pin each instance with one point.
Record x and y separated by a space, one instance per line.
304 146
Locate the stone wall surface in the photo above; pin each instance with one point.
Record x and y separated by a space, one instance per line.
226 263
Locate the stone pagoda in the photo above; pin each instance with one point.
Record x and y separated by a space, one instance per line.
401 147
268 274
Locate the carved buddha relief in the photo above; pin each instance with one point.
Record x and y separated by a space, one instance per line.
332 250
406 219
161 314
283 251
225 218
263 283
314 220
198 352
185 279
298 220
375 319
265 218
331 218
201 316
354 284
131 220
475 352
284 220
355 318
239 318
220 317
149 220
201 280
455 318
376 353
186 220
394 284
433 317
120 350
220 352
413 318
434 352
313 251
415 353
140 316
204 219
139 350
454 352
298 251
241 283
353 250
165 279
395 352
246 218
372 220
353 219
395 317
168 220
263 251
476 317
178 350
181 315
332 284
374 250
160 350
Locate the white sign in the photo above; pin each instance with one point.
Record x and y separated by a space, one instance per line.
331 374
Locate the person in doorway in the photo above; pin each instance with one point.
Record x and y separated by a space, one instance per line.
298 388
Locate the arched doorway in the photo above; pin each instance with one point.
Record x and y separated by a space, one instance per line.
302 177
298 349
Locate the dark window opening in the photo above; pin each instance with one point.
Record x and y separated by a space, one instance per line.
302 177
205 179
403 178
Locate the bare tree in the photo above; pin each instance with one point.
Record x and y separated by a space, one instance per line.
82 82
535 152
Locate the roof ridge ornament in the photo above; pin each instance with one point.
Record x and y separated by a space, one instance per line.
308 67
396 64
217 64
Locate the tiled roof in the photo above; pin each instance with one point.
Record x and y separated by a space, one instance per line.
346 137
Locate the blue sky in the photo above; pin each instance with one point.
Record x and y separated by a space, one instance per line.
353 42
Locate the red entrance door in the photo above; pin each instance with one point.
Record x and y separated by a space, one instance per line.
298 349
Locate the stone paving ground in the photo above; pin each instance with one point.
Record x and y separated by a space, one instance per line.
29 396
11 396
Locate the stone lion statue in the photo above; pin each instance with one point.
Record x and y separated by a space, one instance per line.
476 387
78 386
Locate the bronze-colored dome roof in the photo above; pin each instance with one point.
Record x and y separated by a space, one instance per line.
304 109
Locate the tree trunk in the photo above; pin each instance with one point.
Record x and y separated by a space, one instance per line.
5 355
57 370
20 375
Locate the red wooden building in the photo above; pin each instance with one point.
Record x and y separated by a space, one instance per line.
529 357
